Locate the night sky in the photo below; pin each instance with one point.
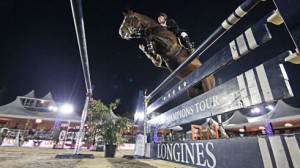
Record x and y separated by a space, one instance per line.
39 50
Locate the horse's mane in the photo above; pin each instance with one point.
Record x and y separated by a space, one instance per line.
149 21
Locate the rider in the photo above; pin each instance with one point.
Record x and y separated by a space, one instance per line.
148 47
172 26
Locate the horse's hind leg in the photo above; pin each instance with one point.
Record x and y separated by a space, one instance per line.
208 83
195 90
205 85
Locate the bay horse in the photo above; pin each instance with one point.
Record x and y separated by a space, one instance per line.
170 53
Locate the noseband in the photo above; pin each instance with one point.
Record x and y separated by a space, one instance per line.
134 31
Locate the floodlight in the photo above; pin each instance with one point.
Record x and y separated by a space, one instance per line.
38 121
270 107
255 110
288 125
241 130
67 108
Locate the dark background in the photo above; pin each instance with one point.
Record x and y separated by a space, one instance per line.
39 50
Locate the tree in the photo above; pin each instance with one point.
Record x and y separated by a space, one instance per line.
106 126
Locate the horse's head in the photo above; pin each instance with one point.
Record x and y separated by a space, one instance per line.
130 26
133 23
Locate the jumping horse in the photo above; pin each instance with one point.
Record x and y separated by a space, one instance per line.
170 53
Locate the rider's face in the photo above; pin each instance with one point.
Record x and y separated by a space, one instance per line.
161 19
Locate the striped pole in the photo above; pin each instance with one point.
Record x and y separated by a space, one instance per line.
240 12
79 27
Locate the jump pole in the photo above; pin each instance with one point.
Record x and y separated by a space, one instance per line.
77 12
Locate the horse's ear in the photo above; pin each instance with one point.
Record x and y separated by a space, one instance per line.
127 7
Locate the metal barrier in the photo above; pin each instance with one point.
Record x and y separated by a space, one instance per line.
264 83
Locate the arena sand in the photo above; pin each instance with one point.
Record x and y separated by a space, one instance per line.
30 157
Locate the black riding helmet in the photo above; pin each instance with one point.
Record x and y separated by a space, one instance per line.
163 14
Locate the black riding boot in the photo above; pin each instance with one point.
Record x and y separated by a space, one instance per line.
188 44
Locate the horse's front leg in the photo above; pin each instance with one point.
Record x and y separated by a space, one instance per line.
195 90
153 56
205 85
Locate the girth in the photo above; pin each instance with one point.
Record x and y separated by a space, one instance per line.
175 56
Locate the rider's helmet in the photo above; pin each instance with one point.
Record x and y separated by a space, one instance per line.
163 14
162 19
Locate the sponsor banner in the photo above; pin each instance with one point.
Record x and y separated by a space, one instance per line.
126 146
8 142
39 143
273 151
250 88
29 143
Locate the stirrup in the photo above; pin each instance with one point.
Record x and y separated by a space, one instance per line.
191 47
191 50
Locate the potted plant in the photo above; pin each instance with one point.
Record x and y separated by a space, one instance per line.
106 126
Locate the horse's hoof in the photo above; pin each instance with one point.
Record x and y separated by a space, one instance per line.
142 47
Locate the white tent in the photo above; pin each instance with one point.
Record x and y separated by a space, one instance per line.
15 109
48 96
31 94
282 111
236 118
281 114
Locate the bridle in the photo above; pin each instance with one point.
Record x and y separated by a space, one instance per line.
135 32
